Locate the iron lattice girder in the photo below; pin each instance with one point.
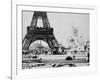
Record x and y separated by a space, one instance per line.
40 30
43 16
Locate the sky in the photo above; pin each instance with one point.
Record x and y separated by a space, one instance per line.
62 24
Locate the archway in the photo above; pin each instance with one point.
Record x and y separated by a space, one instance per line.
39 47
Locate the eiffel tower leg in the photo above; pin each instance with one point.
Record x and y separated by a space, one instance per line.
53 41
50 44
26 44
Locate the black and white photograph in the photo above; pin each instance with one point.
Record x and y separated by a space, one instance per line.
55 39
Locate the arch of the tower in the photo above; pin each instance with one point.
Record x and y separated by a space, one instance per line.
49 40
38 44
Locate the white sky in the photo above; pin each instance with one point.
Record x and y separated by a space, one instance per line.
62 24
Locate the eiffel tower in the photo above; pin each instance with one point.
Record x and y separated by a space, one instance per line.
44 33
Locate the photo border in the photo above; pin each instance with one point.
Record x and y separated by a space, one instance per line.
16 71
